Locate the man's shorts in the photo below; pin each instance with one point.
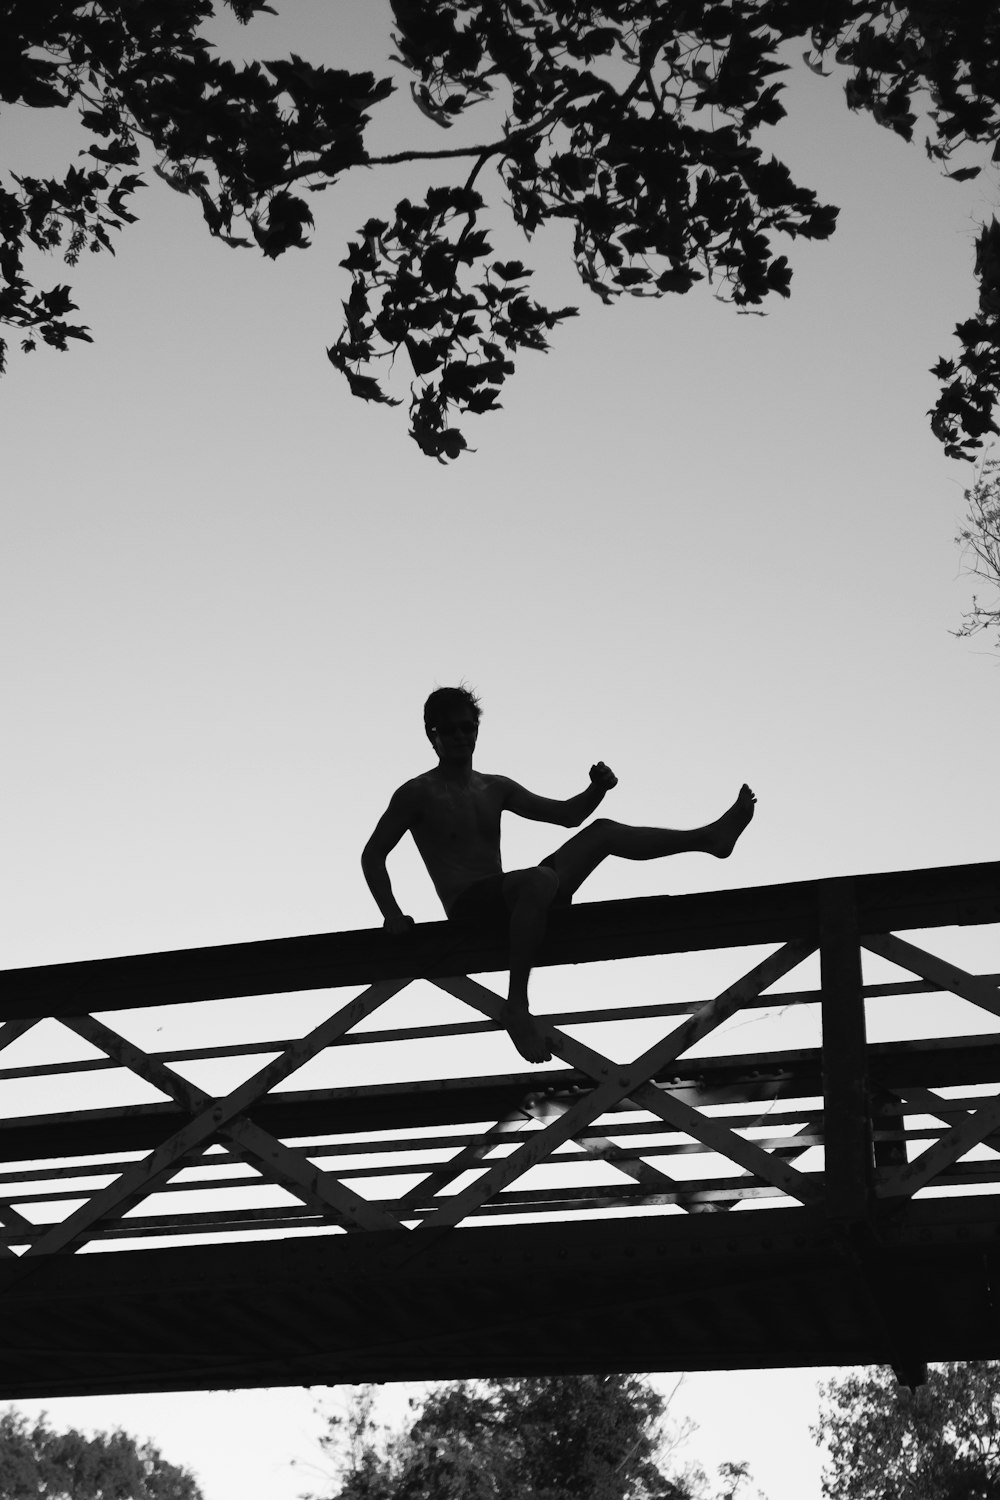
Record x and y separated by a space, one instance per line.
482 901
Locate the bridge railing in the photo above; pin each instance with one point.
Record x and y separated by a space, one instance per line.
355 1082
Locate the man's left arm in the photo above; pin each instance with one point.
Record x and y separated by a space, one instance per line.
567 813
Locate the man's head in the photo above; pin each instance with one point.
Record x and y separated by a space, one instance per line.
451 714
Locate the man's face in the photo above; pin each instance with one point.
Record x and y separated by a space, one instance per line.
455 734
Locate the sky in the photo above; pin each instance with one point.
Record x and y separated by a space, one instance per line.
703 547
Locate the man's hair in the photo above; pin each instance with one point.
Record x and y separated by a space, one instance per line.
443 700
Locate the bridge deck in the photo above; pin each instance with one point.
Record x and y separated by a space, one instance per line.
274 1182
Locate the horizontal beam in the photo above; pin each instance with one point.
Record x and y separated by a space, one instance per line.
719 1192
702 1081
712 1292
613 1015
436 1152
589 933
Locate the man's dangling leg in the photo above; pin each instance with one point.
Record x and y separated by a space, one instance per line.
528 894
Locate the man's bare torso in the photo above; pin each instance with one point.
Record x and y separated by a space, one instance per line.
455 823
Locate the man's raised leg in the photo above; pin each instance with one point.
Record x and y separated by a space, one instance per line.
603 839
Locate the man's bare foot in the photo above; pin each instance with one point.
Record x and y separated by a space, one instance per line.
722 835
523 1031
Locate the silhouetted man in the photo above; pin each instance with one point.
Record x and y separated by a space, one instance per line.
453 813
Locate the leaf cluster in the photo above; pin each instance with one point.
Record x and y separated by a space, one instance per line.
428 284
36 1460
632 121
945 58
142 73
638 123
963 415
886 1442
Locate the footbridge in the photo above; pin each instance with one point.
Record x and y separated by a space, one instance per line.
769 1136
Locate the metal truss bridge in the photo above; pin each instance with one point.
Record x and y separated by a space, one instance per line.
770 1136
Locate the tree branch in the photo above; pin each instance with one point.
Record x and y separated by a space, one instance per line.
444 153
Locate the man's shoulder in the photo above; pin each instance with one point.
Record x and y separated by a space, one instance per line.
494 782
414 790
419 791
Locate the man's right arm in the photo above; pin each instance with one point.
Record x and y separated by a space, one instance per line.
389 829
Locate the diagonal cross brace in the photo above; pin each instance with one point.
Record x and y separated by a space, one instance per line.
602 1148
293 1171
647 1096
211 1119
927 1102
948 1149
650 1174
538 1146
150 1069
615 1083
937 971
709 1015
976 1125
289 1169
10 1216
505 1132
511 1127
973 1127
11 1030
764 1164
786 1148
15 1221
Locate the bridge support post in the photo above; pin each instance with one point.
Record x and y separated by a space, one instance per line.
846 1105
849 1124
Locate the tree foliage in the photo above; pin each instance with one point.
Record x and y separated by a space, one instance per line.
979 539
585 1437
637 122
36 1461
886 1442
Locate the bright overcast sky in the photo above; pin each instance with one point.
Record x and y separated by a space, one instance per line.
702 547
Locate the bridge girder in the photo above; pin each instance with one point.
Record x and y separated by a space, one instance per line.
644 1295
819 1205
